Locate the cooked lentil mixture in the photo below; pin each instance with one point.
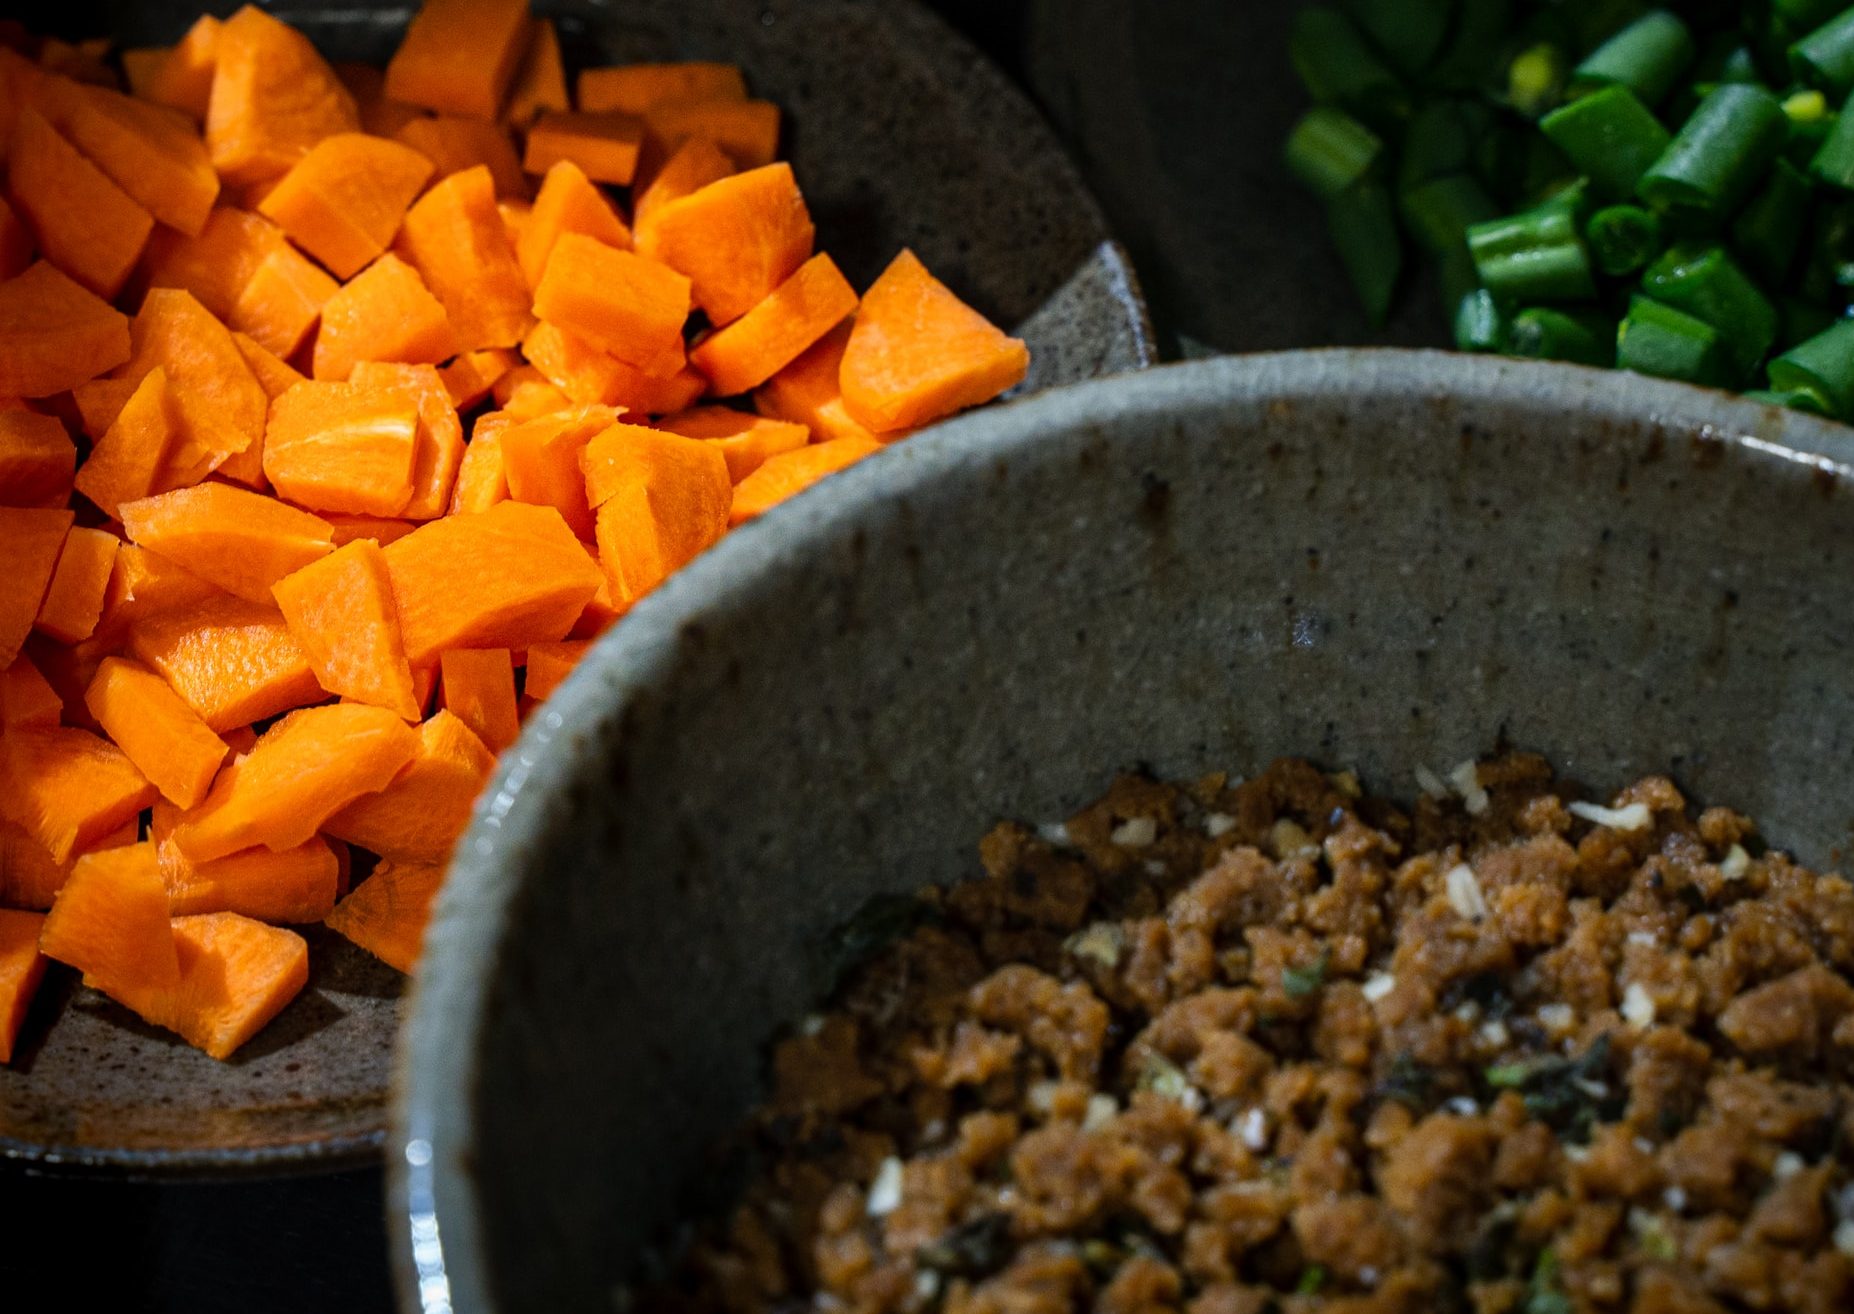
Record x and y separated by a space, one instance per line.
1270 1046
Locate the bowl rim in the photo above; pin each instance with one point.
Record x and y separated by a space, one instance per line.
433 1219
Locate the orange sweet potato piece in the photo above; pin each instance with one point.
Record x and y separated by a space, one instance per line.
217 402
241 541
304 769
344 200
439 447
748 130
776 332
85 224
459 56
419 816
110 921
791 473
661 499
153 154
605 145
293 885
341 610
216 263
67 787
504 577
455 238
691 167
745 440
182 79
541 461
282 302
30 541
551 663
377 529
55 334
141 65
568 202
15 242
636 88
468 378
274 375
387 912
273 98
37 458
29 876
26 697
807 392
236 974
918 353
540 78
737 240
479 690
21 967
162 736
454 144
74 600
126 461
143 584
525 393
384 313
232 661
481 479
624 304
342 447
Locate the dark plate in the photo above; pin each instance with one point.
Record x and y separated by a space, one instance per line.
902 136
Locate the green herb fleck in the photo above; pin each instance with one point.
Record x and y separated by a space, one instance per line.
1545 1293
1571 1094
1311 1281
1299 982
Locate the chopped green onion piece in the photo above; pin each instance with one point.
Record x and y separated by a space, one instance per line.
1311 1280
1363 226
1330 151
1479 325
1610 136
1623 239
1705 282
1299 982
1768 231
1824 364
1718 156
1585 337
1535 256
1825 58
1535 79
1340 68
1834 160
1649 57
1670 344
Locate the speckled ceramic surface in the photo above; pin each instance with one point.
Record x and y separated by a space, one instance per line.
1375 558
901 135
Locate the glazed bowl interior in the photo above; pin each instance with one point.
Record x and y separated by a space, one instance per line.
1374 559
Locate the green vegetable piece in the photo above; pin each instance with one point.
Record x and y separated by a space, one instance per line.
1806 400
1439 213
1824 364
1363 226
1623 239
1331 151
1479 324
1440 141
1535 256
1719 156
1535 79
1670 344
1649 56
1825 58
1409 32
1545 1293
1312 1278
1610 136
1299 982
1481 29
1549 333
1799 319
1806 107
1705 282
1340 68
1769 230
1834 159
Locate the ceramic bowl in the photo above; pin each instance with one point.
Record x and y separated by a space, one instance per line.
1377 559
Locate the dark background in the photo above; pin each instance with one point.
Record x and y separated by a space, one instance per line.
306 1243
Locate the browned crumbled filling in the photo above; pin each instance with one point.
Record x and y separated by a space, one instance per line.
1274 1047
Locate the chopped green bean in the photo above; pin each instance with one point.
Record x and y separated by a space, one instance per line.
1825 58
1769 230
1479 325
1331 151
1440 140
1807 400
1610 136
1824 364
1718 156
1339 68
1409 32
1623 239
1834 161
1440 212
1659 340
1705 282
1363 226
1649 56
1585 337
1535 256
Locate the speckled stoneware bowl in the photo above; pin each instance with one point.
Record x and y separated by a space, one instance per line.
1378 559
902 136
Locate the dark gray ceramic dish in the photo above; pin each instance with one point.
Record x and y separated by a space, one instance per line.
901 135
1379 559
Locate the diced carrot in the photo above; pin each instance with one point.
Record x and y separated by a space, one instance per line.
481 479
241 541
479 690
152 153
540 78
384 313
126 461
777 331
21 968
621 303
568 202
99 401
691 167
217 402
748 130
746 440
440 443
305 768
790 474
341 447
515 215
215 264
387 912
551 663
82 61
68 787
605 146
807 392
636 88
26 697
602 611
142 584
424 685
459 56
455 239
661 499
918 353
110 921
37 458
183 78
165 739
585 374
378 529
236 974
282 302
29 876
85 224
294 885
541 461
737 240
418 817
15 242
524 393
241 739
55 334
274 375
454 144
344 200
341 610
505 577
273 98
141 65
30 541
468 378
232 661
74 600
69 668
